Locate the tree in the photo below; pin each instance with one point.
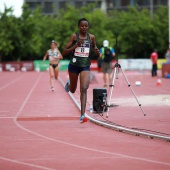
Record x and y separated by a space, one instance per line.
160 24
9 35
29 36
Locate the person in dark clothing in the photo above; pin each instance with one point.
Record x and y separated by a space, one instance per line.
154 59
80 45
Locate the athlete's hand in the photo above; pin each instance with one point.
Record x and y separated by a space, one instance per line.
80 43
97 51
56 56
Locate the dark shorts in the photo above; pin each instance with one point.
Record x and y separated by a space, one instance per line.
77 69
54 65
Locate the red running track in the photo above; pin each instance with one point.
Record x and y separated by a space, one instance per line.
40 129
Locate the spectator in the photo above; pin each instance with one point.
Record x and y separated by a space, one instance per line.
154 58
106 65
167 56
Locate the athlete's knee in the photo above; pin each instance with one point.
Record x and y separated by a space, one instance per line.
52 77
84 89
72 89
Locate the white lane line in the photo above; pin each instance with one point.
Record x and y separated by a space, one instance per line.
91 149
4 76
15 121
74 145
23 163
6 85
128 130
107 125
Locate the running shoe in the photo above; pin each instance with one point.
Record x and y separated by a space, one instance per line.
83 119
52 88
66 86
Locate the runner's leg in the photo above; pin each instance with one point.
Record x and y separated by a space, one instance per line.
84 85
73 77
56 70
51 71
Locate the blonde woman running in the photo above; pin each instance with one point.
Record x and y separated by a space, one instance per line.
54 56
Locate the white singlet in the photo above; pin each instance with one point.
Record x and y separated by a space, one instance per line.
53 55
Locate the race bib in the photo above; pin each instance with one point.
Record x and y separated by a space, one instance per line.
82 51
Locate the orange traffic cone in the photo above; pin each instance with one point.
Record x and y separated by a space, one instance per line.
159 82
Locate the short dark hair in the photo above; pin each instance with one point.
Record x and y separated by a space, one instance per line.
82 19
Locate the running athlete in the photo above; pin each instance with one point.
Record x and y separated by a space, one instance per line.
80 45
54 56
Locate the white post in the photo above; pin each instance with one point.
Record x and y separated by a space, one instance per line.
104 6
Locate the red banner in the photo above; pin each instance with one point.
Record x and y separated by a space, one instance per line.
17 66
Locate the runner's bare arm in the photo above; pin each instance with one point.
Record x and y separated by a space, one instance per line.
69 48
45 57
60 55
96 50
